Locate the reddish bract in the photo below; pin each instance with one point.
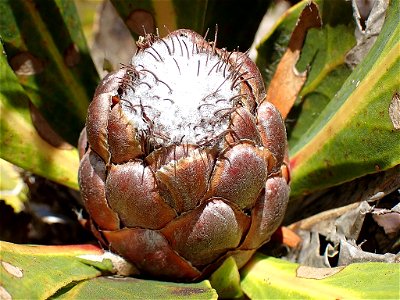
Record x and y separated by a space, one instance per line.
173 203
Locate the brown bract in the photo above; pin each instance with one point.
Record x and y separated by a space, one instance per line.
176 211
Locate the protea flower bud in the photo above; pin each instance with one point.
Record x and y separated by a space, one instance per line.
184 163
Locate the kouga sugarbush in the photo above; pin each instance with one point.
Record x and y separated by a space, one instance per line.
183 161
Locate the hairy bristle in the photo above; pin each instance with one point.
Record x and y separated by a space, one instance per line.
178 91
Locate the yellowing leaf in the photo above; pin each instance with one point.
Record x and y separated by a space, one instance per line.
21 144
271 278
37 272
132 288
354 135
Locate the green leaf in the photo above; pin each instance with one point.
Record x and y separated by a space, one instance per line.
64 272
47 50
37 272
275 41
20 143
13 189
271 278
226 280
324 54
354 135
132 288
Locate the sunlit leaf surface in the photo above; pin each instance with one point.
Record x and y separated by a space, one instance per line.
271 278
354 135
13 189
37 272
132 288
226 280
21 144
340 128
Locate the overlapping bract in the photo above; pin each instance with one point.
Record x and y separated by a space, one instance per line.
177 211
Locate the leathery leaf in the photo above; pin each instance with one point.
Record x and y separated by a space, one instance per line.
20 142
46 48
271 278
75 272
133 288
37 272
323 56
354 135
226 280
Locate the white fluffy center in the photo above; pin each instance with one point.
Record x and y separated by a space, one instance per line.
180 94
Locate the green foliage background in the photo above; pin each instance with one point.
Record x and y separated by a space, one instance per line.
339 129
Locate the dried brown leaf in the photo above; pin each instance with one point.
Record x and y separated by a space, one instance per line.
351 253
287 237
287 81
389 220
369 17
